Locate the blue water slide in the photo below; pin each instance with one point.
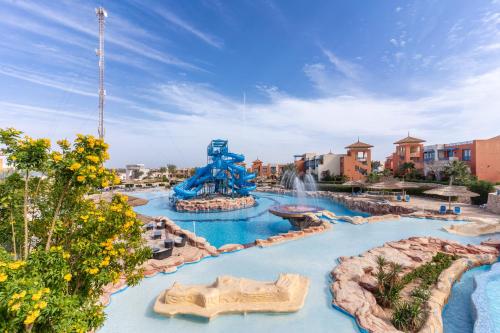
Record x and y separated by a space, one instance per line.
223 172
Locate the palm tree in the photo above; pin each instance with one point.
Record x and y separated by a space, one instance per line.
457 170
407 168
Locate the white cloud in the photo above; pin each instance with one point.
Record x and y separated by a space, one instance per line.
85 24
347 68
174 19
457 112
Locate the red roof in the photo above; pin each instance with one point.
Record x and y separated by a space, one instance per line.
359 144
409 139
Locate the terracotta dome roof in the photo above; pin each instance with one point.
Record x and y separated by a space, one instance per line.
409 139
359 144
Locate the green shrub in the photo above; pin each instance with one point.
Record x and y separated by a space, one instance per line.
388 282
481 187
421 293
409 316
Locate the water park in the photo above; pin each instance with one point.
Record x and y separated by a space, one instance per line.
223 184
342 247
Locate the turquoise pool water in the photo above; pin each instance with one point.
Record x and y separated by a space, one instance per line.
237 227
493 292
314 256
458 313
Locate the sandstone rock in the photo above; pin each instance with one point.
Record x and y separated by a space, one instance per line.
234 295
354 278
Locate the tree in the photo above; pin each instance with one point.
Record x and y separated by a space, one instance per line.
373 177
407 168
77 245
457 170
483 188
171 168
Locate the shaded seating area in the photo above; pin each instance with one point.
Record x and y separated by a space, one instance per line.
394 184
451 191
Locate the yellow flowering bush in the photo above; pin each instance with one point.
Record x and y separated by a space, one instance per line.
82 246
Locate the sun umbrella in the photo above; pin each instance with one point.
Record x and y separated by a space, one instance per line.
393 184
452 191
354 183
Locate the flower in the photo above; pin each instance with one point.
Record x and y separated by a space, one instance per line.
16 264
93 271
41 305
105 262
30 319
19 295
66 255
56 157
105 183
63 143
130 213
80 150
75 166
36 296
80 178
68 277
15 307
46 290
92 158
101 219
3 277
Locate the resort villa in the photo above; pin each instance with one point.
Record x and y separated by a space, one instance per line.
355 164
482 157
269 170
408 150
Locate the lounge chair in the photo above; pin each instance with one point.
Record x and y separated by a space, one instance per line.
442 209
168 243
398 197
150 226
180 241
157 234
407 198
457 210
160 254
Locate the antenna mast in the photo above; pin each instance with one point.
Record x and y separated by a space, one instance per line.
101 15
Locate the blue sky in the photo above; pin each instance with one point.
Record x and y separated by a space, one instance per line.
316 75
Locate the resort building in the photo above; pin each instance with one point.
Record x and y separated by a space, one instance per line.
182 173
482 157
135 172
408 150
355 164
267 170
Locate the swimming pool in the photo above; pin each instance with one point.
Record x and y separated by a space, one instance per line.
314 257
241 226
458 313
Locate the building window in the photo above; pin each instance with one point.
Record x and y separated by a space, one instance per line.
429 155
466 155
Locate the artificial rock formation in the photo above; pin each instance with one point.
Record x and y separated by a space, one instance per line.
215 204
234 295
355 278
